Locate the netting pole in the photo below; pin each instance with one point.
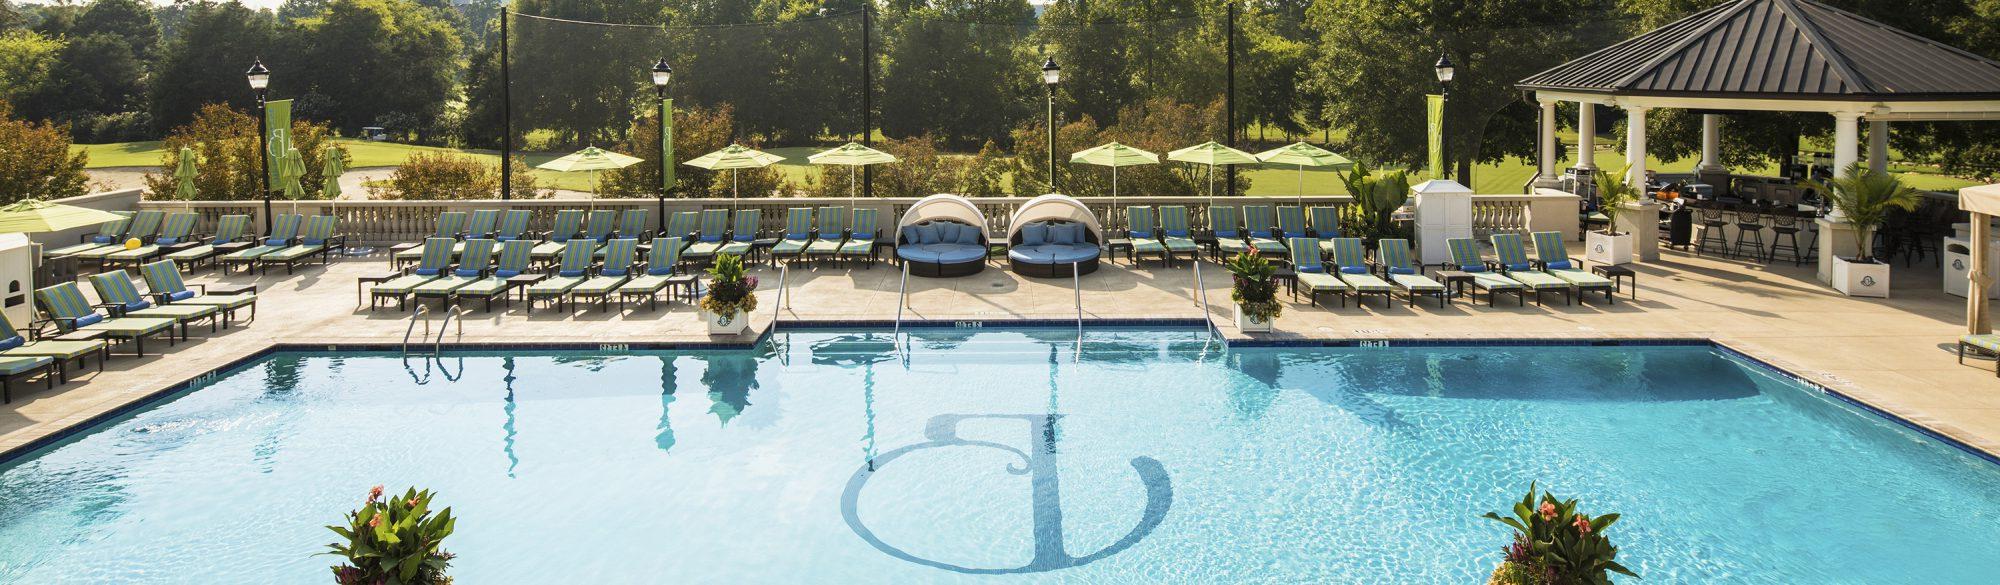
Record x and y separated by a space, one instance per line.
506 115
1229 97
867 95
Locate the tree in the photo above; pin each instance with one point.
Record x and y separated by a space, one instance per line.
228 166
206 60
435 176
36 162
10 17
948 77
129 21
93 76
26 57
394 58
1158 125
697 131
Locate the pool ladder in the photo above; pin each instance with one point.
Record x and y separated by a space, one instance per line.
423 314
902 300
1201 300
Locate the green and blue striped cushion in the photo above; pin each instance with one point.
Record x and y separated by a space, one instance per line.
481 222
715 223
568 223
666 253
437 255
514 258
576 257
512 226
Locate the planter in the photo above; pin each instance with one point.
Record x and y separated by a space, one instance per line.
734 323
1607 249
1861 280
1248 324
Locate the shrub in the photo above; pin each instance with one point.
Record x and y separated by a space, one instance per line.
697 131
35 161
1556 545
228 166
394 542
729 289
438 176
1376 198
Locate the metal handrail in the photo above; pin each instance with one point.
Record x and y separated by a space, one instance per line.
902 300
437 345
784 299
1076 283
422 312
1201 298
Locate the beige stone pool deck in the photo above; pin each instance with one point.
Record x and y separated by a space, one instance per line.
1895 354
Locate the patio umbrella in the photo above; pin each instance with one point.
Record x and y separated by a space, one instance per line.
591 158
1114 155
854 155
291 167
732 158
184 175
1304 155
332 171
1212 153
30 216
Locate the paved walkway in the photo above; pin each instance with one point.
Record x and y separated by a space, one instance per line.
1895 354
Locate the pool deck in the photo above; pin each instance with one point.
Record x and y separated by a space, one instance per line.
1895 354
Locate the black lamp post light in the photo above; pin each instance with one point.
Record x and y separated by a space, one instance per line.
1445 71
1051 75
662 75
260 81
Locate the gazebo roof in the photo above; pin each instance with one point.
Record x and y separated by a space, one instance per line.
1777 49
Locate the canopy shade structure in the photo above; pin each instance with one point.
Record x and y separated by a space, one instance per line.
855 155
1302 155
589 159
732 158
943 206
1212 153
1114 155
30 216
1983 202
1053 207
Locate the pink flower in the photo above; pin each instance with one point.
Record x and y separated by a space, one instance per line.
413 502
375 521
374 492
1582 524
1548 511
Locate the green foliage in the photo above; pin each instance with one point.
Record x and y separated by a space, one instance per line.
228 165
1253 288
1158 125
960 85
94 76
35 162
437 176
205 61
1376 198
26 57
1564 546
1612 197
729 289
398 60
697 131
398 541
1865 198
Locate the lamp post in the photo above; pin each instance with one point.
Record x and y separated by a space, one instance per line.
260 80
1051 74
1445 71
663 73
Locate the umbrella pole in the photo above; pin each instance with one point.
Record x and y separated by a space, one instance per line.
733 194
1302 186
850 184
1114 191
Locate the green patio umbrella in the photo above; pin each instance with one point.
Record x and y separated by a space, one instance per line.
1114 155
184 175
30 216
591 158
291 167
733 158
331 171
855 155
1212 153
1304 155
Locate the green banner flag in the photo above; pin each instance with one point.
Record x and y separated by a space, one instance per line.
278 136
1434 104
666 145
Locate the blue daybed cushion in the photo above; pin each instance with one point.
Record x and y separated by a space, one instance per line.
1035 234
911 236
1060 234
958 253
916 253
927 234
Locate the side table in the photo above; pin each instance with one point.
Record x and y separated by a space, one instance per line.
359 294
1616 272
1456 281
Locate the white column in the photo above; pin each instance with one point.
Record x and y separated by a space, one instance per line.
1846 142
1711 143
1635 147
1549 144
1586 136
1878 146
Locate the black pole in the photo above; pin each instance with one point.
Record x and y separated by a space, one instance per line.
867 95
1229 99
666 120
1052 136
506 115
264 157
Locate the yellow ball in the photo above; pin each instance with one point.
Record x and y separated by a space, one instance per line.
132 244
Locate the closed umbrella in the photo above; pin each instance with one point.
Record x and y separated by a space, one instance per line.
855 155
184 175
29 216
733 158
1114 155
1212 153
331 171
1304 155
291 167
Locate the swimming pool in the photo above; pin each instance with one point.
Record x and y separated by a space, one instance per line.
1148 456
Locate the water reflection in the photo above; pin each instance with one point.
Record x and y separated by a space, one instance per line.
1250 401
507 426
665 438
729 376
864 350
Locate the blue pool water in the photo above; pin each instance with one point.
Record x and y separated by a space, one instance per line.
1144 458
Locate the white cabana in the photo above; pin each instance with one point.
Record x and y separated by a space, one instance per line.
1983 202
944 206
1054 207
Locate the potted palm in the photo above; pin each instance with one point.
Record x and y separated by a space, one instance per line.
1254 291
1863 199
1607 246
731 297
393 540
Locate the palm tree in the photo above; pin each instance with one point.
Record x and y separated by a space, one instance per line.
1864 198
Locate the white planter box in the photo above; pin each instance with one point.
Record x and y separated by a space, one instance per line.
1607 250
1860 280
1247 324
731 324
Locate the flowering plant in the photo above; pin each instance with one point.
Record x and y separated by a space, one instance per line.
397 541
729 289
1254 290
1556 545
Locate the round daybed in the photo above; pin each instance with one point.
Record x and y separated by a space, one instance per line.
942 235
1049 234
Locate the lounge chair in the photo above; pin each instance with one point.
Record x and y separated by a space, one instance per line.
516 257
1985 344
1465 258
1513 261
430 266
472 266
62 352
1311 273
283 234
145 225
450 225
620 261
480 224
659 273
122 298
317 240
1351 265
682 224
568 223
1325 226
108 233
1228 232
1553 258
832 231
66 308
577 257
632 224
1291 222
228 230
1393 256
174 230
1261 231
798 234
163 281
513 226
17 368
1174 232
743 237
1144 234
861 236
600 224
712 234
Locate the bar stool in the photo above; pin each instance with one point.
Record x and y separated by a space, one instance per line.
1785 236
1749 232
1712 225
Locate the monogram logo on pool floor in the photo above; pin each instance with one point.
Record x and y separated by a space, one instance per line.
1039 462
